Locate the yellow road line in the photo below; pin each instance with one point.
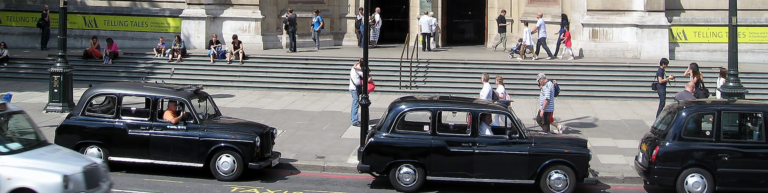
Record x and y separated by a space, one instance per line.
179 182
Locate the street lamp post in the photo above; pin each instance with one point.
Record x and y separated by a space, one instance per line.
733 87
60 98
365 102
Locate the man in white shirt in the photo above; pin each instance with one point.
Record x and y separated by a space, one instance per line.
487 91
485 124
541 28
435 29
425 27
354 81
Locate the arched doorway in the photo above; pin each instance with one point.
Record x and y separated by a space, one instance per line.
394 16
465 22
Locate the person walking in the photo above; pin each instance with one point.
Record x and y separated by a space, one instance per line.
425 27
4 56
359 27
501 21
566 38
487 92
291 31
721 79
317 25
527 41
563 24
355 76
436 30
661 86
541 29
546 101
46 30
375 27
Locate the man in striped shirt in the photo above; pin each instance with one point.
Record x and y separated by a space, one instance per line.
546 101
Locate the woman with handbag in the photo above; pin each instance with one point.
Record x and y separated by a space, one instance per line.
698 81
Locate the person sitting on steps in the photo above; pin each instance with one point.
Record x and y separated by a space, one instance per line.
178 49
235 50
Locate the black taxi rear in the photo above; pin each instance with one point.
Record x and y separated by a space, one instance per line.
706 145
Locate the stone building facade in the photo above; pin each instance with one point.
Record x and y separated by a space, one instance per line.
601 28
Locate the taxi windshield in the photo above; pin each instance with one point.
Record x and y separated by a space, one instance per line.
205 107
18 133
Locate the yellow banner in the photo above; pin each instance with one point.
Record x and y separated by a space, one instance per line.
96 22
718 34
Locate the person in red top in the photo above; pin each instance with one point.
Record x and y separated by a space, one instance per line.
567 41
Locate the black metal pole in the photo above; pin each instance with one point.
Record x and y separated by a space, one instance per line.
364 100
60 98
733 87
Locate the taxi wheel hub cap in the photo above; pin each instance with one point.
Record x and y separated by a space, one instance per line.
557 181
94 151
695 183
406 175
226 164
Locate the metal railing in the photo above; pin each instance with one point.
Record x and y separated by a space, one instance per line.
404 54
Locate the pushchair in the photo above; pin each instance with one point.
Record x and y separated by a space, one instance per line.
516 50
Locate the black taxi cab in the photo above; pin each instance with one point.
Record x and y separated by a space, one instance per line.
700 146
124 122
451 138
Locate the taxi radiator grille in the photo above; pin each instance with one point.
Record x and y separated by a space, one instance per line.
266 144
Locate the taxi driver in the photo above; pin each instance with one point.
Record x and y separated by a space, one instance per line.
170 113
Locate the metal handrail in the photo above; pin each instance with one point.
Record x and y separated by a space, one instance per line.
403 53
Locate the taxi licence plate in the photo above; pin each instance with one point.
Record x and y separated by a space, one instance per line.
275 162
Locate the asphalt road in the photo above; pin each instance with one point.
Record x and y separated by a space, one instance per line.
140 178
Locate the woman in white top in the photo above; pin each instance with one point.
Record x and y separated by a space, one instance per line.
502 92
4 53
721 81
527 41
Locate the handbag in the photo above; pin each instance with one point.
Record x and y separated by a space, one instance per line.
40 23
371 86
655 83
701 91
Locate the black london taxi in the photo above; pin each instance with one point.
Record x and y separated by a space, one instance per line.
123 121
700 146
451 138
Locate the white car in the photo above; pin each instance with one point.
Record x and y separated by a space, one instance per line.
29 163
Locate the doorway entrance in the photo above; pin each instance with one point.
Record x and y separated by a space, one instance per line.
465 22
394 20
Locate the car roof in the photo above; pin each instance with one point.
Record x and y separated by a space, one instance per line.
433 101
143 88
704 103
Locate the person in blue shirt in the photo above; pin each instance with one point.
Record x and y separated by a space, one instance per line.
159 50
563 22
317 26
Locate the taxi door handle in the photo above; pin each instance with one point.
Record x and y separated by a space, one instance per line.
724 156
481 145
157 128
144 128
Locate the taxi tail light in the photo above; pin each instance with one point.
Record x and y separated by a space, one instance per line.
655 152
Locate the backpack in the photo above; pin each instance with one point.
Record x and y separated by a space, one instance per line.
357 23
557 88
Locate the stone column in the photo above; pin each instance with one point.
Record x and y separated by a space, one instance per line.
194 28
624 29
202 18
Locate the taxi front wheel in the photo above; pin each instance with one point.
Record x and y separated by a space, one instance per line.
226 165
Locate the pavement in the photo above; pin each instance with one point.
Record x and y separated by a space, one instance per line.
314 127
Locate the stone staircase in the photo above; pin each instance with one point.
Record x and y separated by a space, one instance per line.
445 77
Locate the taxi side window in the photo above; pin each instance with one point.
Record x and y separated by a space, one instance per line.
101 106
414 122
454 123
739 126
699 125
135 107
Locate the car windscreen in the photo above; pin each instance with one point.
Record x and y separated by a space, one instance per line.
205 107
19 133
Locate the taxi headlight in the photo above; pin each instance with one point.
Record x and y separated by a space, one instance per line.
258 141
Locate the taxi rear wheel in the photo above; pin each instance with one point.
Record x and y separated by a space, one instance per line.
695 180
407 177
226 165
96 151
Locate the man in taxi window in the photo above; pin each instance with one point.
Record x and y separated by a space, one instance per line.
170 113
486 121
